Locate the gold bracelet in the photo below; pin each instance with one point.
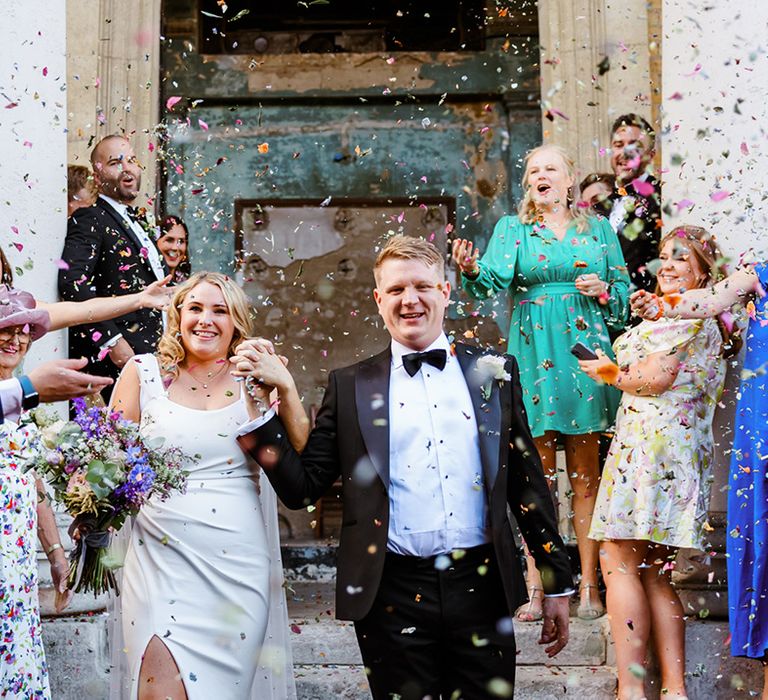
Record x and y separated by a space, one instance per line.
53 548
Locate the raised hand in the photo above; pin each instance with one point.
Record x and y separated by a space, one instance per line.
465 255
156 295
256 358
644 305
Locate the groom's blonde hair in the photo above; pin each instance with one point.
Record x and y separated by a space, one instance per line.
402 247
170 350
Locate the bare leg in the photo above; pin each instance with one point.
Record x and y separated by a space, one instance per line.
159 678
582 453
667 621
532 610
628 612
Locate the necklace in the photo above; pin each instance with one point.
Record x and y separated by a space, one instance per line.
211 376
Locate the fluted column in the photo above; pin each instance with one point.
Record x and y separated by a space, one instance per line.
113 73
579 39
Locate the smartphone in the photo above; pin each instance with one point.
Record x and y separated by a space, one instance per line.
583 352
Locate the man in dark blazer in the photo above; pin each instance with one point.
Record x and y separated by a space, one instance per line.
108 251
434 452
636 200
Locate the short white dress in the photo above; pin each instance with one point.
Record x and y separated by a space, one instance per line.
199 571
656 481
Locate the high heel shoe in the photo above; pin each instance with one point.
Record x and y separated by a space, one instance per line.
527 612
587 611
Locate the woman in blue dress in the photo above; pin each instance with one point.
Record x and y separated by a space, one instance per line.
747 541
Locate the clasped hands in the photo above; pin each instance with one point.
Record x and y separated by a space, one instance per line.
255 359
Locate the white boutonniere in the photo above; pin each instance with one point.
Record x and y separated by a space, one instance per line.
149 224
492 369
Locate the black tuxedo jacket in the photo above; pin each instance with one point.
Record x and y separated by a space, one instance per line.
351 440
639 233
104 258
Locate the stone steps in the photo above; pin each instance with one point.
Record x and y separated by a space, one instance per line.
328 664
532 683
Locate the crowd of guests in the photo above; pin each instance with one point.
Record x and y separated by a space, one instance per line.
613 330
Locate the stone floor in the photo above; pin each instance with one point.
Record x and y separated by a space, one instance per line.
328 665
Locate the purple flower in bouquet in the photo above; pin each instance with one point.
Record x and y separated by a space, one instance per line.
104 472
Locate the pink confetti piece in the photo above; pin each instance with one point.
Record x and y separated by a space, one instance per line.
558 113
28 144
719 195
15 229
684 204
675 96
61 264
643 188
150 147
95 336
18 246
744 148
45 71
696 69
202 124
171 101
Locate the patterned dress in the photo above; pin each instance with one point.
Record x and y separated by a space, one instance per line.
549 315
23 670
657 475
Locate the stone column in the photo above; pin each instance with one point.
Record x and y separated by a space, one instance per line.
579 39
113 73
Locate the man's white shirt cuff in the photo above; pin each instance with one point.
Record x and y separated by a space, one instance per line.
256 423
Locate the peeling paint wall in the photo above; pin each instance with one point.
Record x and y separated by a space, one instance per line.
372 126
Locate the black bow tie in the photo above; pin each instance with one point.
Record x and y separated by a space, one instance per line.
134 213
413 361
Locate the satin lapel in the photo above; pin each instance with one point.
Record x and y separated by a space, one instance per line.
124 227
487 413
372 401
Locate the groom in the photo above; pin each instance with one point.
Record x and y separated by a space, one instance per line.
434 452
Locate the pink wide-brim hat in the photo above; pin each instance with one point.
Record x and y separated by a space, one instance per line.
17 308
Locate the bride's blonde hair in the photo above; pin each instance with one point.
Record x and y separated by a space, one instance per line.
526 211
170 349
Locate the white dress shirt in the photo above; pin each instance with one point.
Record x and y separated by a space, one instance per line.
437 500
153 254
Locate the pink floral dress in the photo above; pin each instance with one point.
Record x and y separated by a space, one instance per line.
23 670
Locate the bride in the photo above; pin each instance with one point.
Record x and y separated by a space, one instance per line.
202 610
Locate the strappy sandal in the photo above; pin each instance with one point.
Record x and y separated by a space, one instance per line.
587 611
527 612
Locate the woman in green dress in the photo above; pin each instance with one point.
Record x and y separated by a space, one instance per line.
569 285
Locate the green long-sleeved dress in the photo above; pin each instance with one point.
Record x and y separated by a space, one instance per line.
549 315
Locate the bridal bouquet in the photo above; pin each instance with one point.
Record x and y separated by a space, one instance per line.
103 471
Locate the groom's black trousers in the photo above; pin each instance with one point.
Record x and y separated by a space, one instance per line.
434 629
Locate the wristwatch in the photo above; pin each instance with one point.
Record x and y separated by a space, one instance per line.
30 397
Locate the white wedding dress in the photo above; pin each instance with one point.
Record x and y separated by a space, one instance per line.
202 569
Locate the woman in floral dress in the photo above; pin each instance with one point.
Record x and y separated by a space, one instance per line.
654 491
25 513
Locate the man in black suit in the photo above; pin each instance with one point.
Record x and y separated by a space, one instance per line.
434 452
636 200
109 251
